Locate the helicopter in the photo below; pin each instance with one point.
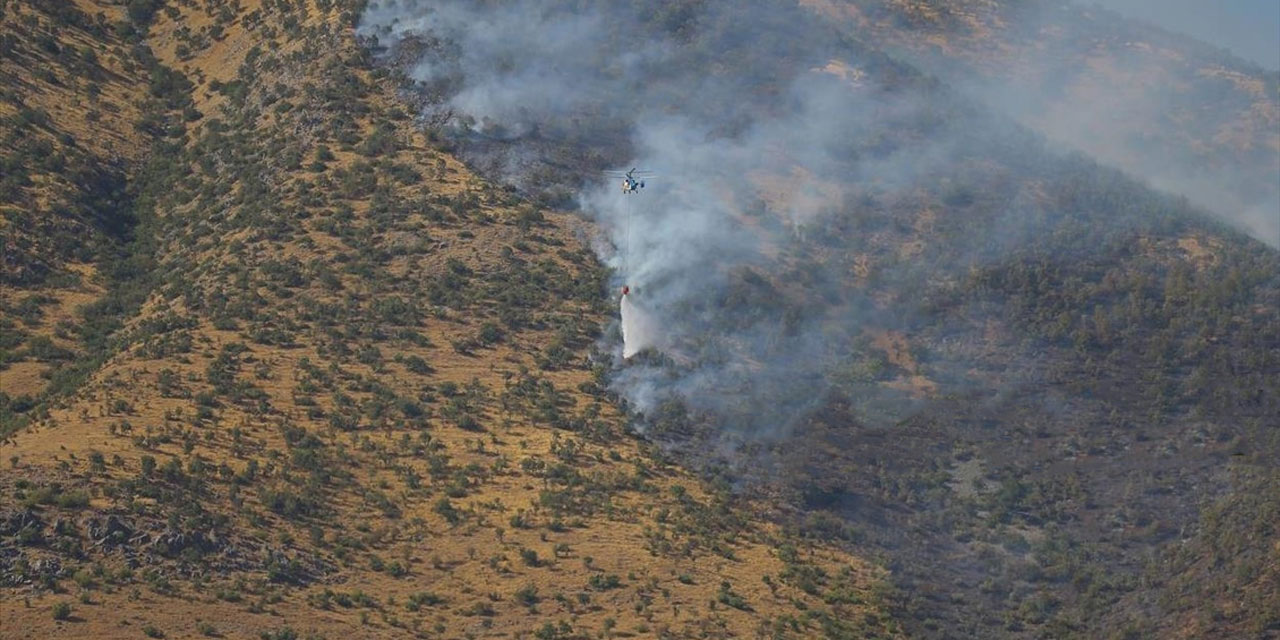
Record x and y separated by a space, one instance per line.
632 181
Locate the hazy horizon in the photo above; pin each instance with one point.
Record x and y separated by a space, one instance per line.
1249 29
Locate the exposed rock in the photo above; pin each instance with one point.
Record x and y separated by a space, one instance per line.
172 542
110 533
12 522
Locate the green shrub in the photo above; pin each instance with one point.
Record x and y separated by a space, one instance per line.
527 595
604 581
530 557
62 611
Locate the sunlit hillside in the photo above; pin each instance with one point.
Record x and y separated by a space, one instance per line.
309 323
348 388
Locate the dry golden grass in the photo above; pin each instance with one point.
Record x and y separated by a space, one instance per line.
57 319
898 351
89 110
102 124
688 560
23 378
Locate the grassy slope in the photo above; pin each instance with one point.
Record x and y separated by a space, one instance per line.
1049 381
357 399
70 104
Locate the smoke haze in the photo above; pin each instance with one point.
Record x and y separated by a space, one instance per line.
1248 28
524 69
772 136
972 329
1186 117
1145 112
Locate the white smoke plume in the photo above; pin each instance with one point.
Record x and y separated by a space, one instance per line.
732 188
761 126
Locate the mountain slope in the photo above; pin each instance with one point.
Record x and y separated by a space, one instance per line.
333 381
358 398
76 123
1024 378
1183 115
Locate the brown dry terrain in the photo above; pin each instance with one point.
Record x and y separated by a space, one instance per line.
275 363
70 104
348 391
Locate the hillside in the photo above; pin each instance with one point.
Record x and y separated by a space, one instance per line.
350 389
1185 116
1030 383
75 121
308 327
